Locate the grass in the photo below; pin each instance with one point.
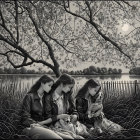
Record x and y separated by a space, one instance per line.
127 114
124 111
11 96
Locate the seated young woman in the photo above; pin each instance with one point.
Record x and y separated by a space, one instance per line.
33 110
90 108
60 105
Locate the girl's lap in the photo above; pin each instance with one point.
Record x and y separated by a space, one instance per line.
40 133
65 135
69 135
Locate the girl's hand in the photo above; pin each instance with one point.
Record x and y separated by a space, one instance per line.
63 116
92 106
74 118
97 113
34 125
93 115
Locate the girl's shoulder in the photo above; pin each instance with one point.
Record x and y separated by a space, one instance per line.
28 97
80 100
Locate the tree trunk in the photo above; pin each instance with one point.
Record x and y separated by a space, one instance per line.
56 71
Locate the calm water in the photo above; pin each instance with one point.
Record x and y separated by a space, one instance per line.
28 80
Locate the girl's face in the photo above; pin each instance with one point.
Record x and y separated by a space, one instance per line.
67 88
93 91
47 86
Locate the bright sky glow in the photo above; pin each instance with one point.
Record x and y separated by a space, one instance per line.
125 27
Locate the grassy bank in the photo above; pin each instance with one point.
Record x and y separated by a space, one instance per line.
124 111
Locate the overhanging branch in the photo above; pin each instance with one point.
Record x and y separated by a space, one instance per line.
24 54
4 26
42 38
57 42
16 20
99 32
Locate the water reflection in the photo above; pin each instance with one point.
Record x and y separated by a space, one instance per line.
134 77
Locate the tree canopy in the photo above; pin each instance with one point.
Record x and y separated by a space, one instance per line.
65 32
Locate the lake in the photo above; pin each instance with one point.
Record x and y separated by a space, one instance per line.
80 80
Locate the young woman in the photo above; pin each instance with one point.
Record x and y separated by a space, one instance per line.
33 110
60 104
90 108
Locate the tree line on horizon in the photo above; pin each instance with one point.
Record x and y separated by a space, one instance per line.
18 71
135 71
91 70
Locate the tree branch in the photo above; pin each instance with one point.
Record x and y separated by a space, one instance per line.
3 22
73 13
57 42
6 40
127 3
90 11
42 38
111 41
16 20
13 51
100 33
15 66
118 4
4 26
24 54
132 31
18 66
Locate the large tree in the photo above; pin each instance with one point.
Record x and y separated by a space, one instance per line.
55 33
22 41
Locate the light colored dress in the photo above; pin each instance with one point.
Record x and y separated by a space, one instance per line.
63 126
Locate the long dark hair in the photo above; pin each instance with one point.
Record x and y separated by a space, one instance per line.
65 79
92 84
43 79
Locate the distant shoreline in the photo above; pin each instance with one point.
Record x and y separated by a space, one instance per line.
73 74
